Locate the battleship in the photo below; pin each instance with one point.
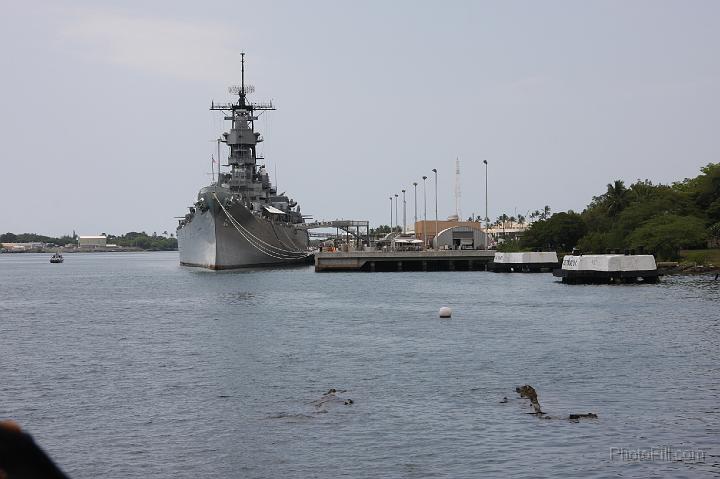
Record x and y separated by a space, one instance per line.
240 220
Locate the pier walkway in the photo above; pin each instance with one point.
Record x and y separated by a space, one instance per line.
376 261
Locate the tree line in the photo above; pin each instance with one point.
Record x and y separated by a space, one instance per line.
664 219
133 239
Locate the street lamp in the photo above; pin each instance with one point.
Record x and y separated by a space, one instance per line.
415 205
397 218
404 213
391 218
437 242
487 218
424 214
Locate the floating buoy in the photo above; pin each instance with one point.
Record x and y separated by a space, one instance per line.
445 312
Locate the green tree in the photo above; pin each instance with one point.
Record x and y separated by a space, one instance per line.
666 235
616 197
561 231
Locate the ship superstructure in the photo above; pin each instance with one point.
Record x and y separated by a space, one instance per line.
240 219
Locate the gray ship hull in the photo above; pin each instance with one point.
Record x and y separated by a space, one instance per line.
233 237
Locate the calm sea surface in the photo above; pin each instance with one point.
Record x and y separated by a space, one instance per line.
130 366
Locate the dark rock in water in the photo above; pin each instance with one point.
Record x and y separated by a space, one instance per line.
348 402
577 417
504 400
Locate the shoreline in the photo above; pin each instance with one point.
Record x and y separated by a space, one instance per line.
129 249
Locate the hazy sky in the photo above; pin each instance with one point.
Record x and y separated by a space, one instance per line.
105 124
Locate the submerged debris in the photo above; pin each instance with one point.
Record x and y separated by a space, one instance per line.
331 397
529 392
577 417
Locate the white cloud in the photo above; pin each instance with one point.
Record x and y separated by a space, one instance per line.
161 46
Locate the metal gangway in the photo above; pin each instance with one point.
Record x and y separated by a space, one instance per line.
359 230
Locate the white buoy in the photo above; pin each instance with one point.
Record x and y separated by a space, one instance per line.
445 312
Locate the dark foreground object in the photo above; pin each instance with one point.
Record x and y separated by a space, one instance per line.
21 458
529 392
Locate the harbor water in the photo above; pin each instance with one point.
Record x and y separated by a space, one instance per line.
130 366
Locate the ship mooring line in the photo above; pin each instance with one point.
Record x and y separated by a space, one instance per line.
280 253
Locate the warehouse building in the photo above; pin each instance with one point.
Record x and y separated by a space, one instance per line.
92 241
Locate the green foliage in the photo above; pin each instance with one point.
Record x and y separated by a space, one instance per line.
143 241
383 230
713 210
35 238
620 216
714 231
708 256
510 246
132 239
697 257
8 238
705 188
561 231
665 235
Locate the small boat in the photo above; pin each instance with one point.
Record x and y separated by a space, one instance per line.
57 258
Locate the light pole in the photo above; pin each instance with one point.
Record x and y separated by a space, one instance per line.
424 214
415 205
487 218
404 213
437 242
390 214
397 218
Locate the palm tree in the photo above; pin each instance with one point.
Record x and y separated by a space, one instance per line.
616 197
512 221
545 213
521 220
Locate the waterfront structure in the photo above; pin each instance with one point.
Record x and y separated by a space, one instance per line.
380 261
607 268
507 231
460 237
526 262
240 219
20 247
98 241
427 230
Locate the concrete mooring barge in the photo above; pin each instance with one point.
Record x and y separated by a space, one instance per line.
608 268
381 261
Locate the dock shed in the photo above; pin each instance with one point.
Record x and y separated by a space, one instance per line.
461 237
99 241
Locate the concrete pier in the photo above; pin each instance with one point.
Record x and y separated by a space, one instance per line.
378 261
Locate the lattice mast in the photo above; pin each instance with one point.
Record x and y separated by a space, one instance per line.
242 138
